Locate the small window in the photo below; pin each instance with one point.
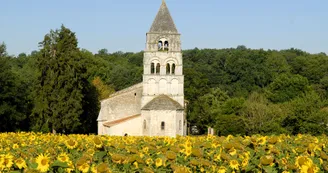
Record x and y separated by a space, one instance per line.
179 124
144 124
166 45
168 68
160 45
173 68
152 68
163 125
158 68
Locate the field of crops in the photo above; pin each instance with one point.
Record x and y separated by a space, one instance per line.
36 152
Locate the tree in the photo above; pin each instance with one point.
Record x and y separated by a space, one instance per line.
286 87
261 116
12 97
103 90
62 96
307 114
207 108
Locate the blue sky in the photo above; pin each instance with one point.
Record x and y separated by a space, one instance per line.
120 25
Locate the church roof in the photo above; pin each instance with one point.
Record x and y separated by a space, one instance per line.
163 21
112 123
163 102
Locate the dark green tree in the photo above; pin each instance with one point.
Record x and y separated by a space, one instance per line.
307 114
13 104
286 87
64 99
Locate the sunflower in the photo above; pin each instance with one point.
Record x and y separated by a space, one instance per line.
303 160
136 165
188 151
93 168
222 169
7 160
15 146
232 151
149 161
171 155
43 163
71 144
20 163
313 169
158 162
103 167
234 164
98 143
262 140
84 168
63 157
244 163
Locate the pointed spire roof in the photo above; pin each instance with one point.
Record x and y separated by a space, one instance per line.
163 22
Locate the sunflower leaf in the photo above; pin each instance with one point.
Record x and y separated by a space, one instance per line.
58 163
101 154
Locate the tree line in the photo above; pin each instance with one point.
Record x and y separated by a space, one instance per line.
237 91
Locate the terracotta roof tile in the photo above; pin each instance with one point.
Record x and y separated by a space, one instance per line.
115 122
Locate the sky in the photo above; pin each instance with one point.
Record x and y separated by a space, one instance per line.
121 25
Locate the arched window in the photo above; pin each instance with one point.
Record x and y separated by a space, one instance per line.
166 45
160 45
163 125
168 68
152 68
158 68
144 124
173 68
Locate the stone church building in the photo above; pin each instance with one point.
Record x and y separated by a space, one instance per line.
156 106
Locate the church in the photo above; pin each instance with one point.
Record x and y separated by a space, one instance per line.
156 106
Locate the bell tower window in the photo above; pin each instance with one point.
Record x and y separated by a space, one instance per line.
158 68
166 46
160 45
152 68
173 68
168 70
163 45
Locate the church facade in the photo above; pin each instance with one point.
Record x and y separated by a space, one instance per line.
156 106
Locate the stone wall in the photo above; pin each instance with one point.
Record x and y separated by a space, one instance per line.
154 118
121 104
131 127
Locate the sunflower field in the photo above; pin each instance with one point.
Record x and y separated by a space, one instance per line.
37 152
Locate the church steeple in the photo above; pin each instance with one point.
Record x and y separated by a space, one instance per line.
163 22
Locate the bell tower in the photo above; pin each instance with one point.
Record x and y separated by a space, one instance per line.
163 73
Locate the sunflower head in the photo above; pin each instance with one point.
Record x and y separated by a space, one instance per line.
171 155
158 162
103 168
20 163
234 164
71 144
63 157
97 141
43 163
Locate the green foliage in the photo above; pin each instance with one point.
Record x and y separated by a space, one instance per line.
307 115
13 107
286 87
62 96
230 124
